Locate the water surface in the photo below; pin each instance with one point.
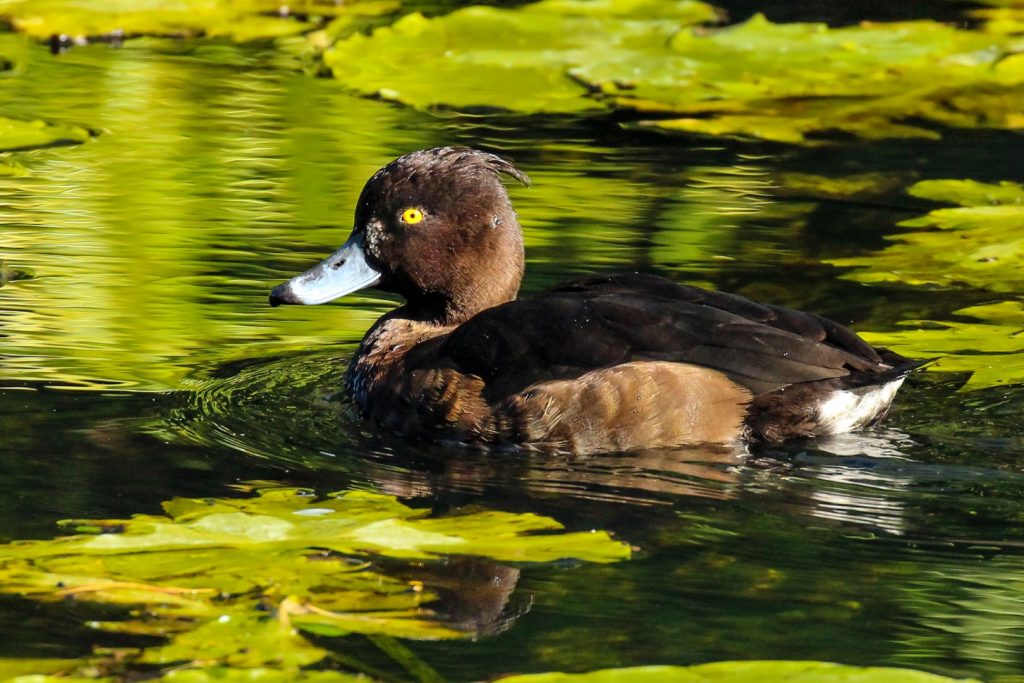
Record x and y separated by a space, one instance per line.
141 362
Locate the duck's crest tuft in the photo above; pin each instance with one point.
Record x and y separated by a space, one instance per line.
467 158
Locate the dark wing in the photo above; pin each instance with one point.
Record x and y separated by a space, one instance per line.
604 321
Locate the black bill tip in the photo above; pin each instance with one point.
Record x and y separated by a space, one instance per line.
282 294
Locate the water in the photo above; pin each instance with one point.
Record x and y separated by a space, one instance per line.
140 362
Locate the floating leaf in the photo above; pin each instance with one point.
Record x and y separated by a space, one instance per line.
507 59
241 641
991 349
213 674
225 675
786 82
14 668
229 581
742 672
240 20
1002 16
979 244
15 134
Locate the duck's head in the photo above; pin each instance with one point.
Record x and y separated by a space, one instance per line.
436 227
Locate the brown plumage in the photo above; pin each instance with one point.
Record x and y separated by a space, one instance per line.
600 364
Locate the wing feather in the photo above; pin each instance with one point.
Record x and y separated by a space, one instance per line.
604 321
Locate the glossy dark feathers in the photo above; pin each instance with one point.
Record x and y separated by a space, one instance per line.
604 321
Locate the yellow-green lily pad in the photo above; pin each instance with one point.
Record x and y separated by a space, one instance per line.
1001 16
742 672
991 347
16 134
979 243
789 82
259 675
783 82
15 668
236 582
240 20
506 59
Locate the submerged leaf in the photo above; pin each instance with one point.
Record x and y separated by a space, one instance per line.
742 672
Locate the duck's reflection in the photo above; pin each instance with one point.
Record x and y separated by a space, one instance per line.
656 477
475 594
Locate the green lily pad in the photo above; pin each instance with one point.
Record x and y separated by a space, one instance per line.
786 82
225 675
236 581
1002 16
507 59
41 678
991 349
979 244
16 134
742 672
15 668
215 674
239 20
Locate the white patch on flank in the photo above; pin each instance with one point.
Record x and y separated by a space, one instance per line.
847 410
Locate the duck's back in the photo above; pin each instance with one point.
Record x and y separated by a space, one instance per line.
633 361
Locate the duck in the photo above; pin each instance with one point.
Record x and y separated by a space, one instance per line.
606 363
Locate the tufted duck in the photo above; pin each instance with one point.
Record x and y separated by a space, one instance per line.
606 363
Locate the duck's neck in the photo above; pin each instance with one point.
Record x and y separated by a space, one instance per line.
428 317
381 356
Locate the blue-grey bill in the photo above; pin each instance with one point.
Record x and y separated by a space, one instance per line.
341 273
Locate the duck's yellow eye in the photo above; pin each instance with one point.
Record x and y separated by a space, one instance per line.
412 216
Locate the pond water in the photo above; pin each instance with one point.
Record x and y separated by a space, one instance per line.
140 362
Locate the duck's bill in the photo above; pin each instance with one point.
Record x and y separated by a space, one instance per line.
341 273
